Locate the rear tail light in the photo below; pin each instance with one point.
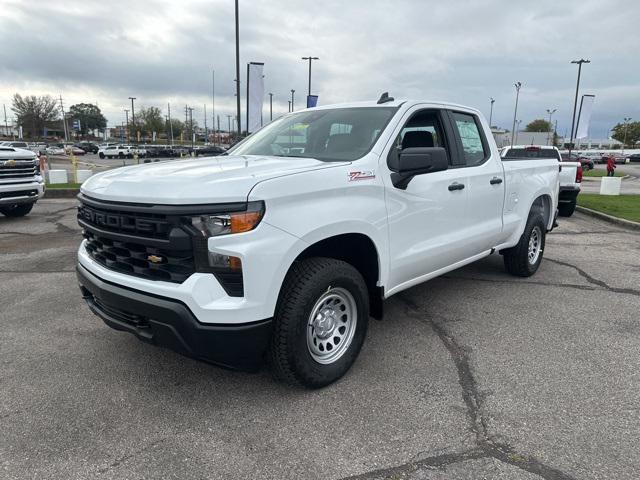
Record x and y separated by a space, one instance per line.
579 174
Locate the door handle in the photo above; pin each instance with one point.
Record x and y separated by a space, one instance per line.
456 186
495 181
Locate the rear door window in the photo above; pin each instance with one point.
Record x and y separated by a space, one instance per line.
474 146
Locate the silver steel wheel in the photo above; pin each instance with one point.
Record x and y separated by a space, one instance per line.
331 325
535 244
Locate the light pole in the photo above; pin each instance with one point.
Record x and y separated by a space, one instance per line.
213 98
575 102
292 93
517 129
229 129
310 59
238 71
126 115
133 113
626 128
550 112
518 85
289 105
271 107
493 100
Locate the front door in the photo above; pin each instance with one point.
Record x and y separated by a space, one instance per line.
426 219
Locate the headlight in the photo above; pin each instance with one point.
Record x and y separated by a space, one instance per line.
235 222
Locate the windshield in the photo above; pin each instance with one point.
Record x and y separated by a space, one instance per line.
332 135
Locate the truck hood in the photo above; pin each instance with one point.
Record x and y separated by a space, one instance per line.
195 181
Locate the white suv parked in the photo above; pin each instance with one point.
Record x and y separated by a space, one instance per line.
116 151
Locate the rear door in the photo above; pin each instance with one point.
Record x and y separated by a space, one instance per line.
484 181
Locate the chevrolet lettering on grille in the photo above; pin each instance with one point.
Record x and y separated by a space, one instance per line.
121 222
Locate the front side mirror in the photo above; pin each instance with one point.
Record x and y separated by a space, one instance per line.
409 162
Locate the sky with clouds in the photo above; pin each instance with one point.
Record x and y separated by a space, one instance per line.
458 50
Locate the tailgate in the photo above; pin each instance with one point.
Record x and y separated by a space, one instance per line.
568 174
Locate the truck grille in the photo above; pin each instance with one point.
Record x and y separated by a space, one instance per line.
155 242
140 259
17 169
144 244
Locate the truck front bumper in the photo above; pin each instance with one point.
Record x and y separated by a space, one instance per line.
27 192
169 323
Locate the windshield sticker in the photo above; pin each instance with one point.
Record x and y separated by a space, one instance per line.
362 175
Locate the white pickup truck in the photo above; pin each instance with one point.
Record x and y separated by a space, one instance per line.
570 172
285 246
21 183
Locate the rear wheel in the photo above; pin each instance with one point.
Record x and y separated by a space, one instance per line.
566 209
320 323
101 155
524 259
17 210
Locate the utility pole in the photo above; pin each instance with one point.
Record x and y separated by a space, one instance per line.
270 107
133 118
218 118
238 71
310 58
213 98
575 102
191 125
170 124
6 125
626 128
126 116
64 122
491 111
518 85
206 133
550 112
229 129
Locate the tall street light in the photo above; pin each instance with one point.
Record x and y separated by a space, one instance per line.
550 112
133 114
238 72
213 98
270 106
626 128
518 129
518 85
292 93
289 105
126 115
310 59
575 102
493 100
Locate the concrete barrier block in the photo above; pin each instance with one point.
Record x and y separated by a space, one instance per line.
610 185
58 176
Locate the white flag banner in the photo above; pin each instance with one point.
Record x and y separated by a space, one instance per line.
584 118
255 97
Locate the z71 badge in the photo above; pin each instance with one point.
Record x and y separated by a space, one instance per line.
362 175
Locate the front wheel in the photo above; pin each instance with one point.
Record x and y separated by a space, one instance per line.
101 155
524 259
17 210
320 322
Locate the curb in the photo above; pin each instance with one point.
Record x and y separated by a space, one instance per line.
61 192
609 218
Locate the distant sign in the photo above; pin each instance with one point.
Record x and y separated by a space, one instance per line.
76 125
312 101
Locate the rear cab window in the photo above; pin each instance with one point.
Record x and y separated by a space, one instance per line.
533 152
474 147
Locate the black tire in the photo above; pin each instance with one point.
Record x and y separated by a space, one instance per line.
17 210
566 209
101 155
306 284
516 259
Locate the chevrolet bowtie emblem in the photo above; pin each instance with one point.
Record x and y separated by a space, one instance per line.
9 163
154 259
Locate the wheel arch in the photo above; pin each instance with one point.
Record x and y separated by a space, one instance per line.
358 250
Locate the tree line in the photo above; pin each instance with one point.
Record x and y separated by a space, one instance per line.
37 113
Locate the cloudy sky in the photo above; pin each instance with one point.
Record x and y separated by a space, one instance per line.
462 51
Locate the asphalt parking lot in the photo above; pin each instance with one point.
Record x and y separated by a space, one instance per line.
473 375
